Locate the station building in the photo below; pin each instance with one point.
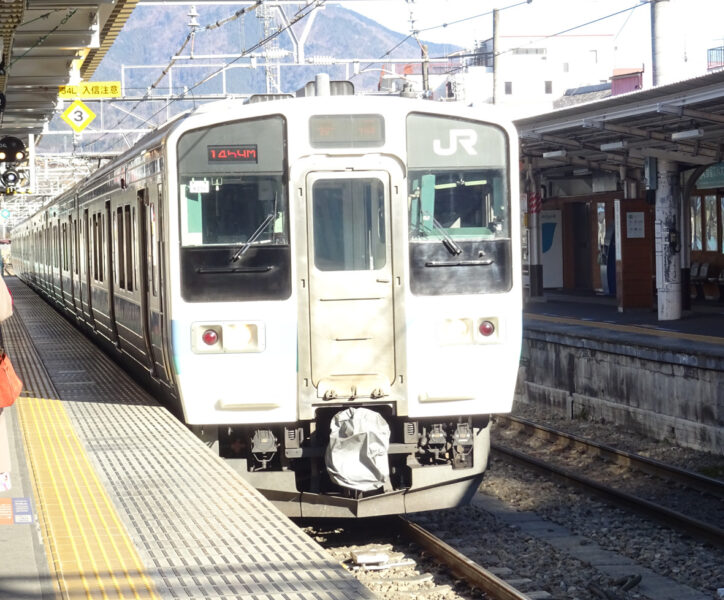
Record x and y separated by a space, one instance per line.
598 174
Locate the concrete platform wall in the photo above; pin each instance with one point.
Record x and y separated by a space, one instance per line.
664 393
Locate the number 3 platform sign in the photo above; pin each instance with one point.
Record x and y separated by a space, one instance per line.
78 116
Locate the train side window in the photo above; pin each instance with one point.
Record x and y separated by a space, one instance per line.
85 242
129 226
154 252
56 246
96 246
120 249
76 246
66 247
101 246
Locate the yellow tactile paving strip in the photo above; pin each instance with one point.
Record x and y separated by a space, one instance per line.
629 328
87 545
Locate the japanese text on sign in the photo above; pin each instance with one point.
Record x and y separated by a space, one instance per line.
95 89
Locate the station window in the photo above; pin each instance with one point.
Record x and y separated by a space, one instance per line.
721 206
711 224
549 87
706 213
508 87
696 221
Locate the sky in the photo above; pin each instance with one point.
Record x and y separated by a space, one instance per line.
696 24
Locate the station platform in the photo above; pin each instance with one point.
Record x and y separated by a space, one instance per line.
700 330
112 497
582 358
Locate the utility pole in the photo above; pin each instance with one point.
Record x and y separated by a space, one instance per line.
496 60
425 72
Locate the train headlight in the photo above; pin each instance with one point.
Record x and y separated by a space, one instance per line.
456 331
242 337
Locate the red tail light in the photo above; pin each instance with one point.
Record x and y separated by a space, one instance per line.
210 337
486 328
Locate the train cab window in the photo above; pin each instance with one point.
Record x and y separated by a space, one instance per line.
234 211
232 192
349 224
459 206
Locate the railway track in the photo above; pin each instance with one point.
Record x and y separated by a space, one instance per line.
664 493
476 576
398 558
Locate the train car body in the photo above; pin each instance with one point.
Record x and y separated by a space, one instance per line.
326 289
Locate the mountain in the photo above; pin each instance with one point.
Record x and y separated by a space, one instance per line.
336 32
154 34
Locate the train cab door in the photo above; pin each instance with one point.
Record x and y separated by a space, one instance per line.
351 321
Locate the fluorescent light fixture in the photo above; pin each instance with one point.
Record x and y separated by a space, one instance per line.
689 134
592 124
670 109
581 172
620 145
555 154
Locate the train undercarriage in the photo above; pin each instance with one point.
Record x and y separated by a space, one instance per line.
430 464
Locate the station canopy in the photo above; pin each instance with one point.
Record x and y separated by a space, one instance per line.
40 41
681 122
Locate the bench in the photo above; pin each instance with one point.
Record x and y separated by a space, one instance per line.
700 279
719 282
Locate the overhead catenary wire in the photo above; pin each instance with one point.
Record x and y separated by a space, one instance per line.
300 14
415 32
563 32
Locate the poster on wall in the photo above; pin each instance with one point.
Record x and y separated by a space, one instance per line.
635 225
552 248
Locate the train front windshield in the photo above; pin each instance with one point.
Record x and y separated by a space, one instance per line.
459 206
234 216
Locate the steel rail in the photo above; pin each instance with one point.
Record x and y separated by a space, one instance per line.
657 468
669 517
459 564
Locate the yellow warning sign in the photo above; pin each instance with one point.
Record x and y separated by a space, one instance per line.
78 116
91 89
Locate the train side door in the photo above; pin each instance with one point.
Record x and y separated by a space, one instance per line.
350 283
75 270
146 279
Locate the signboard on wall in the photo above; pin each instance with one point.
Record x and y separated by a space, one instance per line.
552 248
635 225
713 177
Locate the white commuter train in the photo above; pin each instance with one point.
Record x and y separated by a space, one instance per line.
326 289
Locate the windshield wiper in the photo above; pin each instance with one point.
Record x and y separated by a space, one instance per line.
252 238
447 241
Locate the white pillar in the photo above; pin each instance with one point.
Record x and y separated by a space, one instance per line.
668 241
